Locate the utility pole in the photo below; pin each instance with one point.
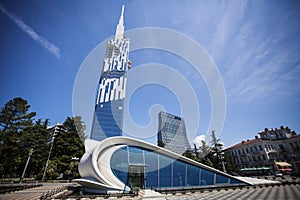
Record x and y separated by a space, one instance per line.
26 165
52 141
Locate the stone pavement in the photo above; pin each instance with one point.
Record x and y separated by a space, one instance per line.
276 192
283 192
32 193
258 192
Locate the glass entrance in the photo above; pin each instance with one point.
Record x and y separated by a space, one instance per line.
136 176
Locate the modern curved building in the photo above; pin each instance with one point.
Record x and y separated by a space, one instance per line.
118 164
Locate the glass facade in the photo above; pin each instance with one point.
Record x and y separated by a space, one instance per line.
161 171
108 120
172 132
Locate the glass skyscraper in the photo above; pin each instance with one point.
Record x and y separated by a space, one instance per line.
172 132
109 107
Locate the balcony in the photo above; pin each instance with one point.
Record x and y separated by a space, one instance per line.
272 151
283 151
256 152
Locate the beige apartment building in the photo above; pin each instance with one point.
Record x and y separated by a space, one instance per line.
274 150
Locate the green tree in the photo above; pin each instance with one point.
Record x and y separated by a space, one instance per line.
189 154
38 138
67 145
216 153
160 143
212 155
14 119
230 167
204 149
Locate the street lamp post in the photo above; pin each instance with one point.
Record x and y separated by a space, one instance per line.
26 165
47 163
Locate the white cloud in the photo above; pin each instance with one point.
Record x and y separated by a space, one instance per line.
53 49
198 140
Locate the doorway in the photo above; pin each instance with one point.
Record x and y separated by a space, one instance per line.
136 176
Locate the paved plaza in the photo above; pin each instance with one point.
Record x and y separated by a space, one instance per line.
259 192
32 193
276 192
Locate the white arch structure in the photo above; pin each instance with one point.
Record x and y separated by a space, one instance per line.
95 168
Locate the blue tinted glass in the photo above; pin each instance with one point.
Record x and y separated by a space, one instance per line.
151 170
162 171
119 164
221 179
165 173
136 155
235 181
192 175
207 177
179 169
108 120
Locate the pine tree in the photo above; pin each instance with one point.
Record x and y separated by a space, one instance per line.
37 138
14 119
67 145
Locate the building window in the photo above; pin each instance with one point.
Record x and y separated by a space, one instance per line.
179 173
247 150
260 148
221 179
192 175
207 177
165 171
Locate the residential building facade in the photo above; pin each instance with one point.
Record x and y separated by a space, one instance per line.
273 150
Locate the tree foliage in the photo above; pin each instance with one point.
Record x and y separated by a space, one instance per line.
15 120
68 141
20 132
214 156
160 143
210 155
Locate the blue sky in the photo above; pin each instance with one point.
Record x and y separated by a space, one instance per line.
254 44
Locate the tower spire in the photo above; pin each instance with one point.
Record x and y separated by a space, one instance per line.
120 27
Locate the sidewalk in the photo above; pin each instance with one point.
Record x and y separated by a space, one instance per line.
33 193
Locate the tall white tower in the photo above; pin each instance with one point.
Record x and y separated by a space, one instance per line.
109 107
